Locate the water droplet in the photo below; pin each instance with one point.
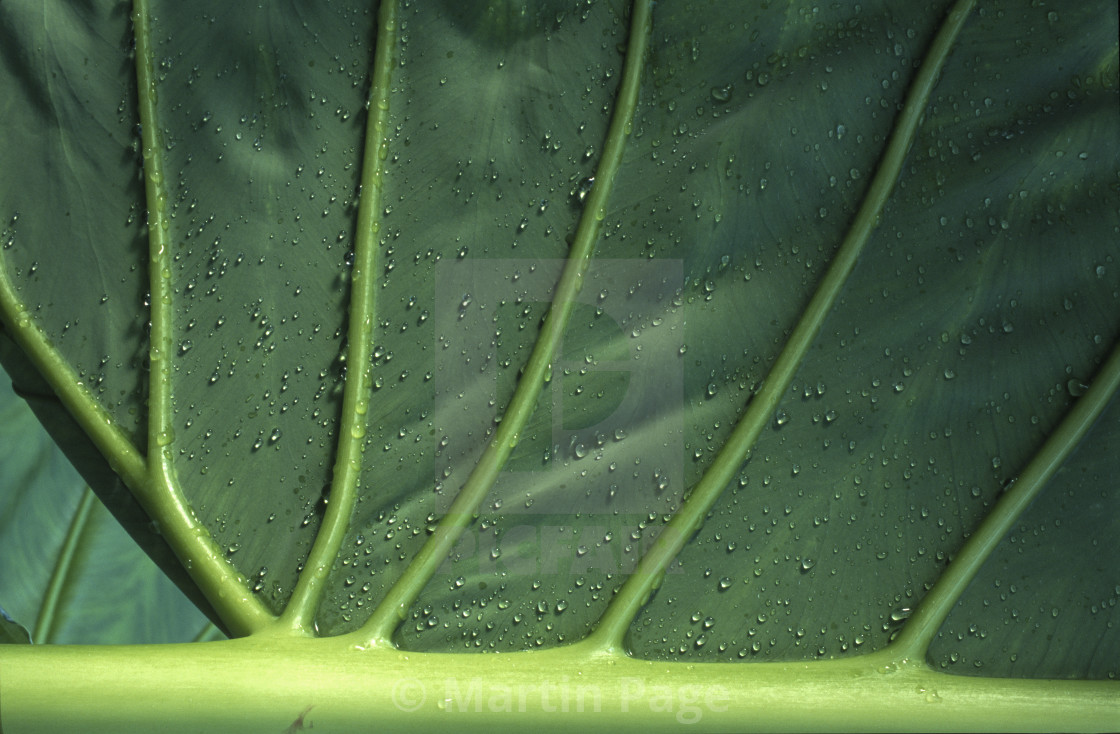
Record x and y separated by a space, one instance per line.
722 94
900 614
583 190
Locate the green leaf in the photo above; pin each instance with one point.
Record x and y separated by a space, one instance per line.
11 632
754 334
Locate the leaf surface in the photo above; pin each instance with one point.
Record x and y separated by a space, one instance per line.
982 306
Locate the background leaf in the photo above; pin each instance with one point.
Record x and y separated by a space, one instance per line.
65 556
11 631
987 296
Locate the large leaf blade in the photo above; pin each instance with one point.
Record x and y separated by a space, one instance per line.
875 411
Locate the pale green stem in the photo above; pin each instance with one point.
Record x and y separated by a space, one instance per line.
388 614
760 410
300 611
914 639
160 493
321 685
60 575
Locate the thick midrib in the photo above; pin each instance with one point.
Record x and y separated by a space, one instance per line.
378 629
